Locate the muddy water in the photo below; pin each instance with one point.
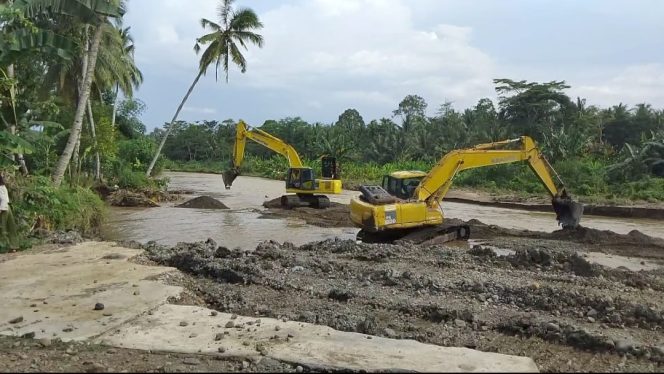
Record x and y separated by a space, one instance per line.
238 227
241 226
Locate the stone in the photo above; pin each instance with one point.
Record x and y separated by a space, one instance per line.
245 365
214 313
277 328
591 320
234 316
45 342
67 329
221 349
184 323
459 323
107 314
390 333
299 369
230 324
16 320
99 306
28 335
136 293
592 313
623 346
191 361
95 368
70 351
218 337
552 326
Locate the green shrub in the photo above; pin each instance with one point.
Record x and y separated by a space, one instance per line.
64 208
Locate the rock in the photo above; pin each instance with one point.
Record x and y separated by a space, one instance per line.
591 320
390 333
552 327
67 329
299 369
191 361
107 314
70 351
45 342
16 320
245 365
33 305
136 293
230 324
29 335
277 328
218 337
460 323
99 306
624 346
184 323
592 313
221 349
95 368
234 316
192 335
214 313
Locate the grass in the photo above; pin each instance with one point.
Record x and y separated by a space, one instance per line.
37 203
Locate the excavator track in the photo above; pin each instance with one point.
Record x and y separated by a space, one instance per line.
303 200
422 235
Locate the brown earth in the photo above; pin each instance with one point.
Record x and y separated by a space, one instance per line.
544 300
203 202
28 355
337 215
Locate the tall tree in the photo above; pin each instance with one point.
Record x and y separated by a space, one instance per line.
235 28
94 13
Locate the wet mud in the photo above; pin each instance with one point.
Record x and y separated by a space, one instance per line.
203 202
544 299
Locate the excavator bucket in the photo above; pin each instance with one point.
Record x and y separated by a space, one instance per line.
229 176
568 211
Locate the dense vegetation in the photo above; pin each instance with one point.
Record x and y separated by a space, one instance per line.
601 153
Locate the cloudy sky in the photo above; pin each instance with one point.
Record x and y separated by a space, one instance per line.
324 56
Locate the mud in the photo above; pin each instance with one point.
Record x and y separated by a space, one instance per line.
203 202
125 198
543 299
337 215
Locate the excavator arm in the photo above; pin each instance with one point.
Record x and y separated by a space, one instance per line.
244 132
433 188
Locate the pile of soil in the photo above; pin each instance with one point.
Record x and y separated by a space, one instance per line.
545 301
203 202
126 198
337 215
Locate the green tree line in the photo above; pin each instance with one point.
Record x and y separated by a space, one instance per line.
613 152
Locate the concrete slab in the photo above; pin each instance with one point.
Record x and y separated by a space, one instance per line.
64 286
300 343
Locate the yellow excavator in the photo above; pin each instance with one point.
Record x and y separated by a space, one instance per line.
407 205
303 188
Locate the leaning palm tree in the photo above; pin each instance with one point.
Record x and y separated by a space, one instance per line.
236 28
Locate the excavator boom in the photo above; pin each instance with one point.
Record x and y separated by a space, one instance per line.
380 212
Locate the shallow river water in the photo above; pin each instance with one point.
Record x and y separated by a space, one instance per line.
240 226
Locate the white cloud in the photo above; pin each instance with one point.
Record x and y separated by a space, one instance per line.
199 110
635 84
350 50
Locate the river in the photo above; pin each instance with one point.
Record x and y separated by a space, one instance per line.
241 225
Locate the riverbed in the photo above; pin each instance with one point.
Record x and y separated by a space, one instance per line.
242 226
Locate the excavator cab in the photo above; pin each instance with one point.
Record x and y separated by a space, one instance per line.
402 184
301 179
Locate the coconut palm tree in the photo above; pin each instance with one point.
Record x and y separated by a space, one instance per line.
235 29
90 14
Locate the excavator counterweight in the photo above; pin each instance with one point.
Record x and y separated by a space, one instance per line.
408 204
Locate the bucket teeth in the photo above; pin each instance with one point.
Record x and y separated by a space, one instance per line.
229 176
568 212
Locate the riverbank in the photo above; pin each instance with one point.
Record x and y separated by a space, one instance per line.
493 296
593 205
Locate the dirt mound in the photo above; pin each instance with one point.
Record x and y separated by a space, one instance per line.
337 215
125 198
203 202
